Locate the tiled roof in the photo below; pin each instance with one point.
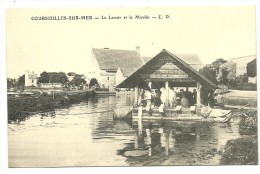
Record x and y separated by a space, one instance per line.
110 59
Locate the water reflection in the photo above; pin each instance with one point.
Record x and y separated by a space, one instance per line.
179 143
86 134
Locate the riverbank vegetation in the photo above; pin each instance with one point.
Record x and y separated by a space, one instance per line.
20 107
244 150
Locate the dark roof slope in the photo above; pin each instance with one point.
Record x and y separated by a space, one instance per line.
135 78
191 59
110 59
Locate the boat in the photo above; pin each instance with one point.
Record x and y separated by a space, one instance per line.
219 115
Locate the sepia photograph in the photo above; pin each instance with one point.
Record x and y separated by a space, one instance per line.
131 86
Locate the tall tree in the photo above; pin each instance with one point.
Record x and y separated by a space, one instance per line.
21 81
209 72
251 68
10 83
59 77
93 82
44 77
78 80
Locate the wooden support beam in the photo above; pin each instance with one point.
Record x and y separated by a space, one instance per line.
136 96
198 94
167 136
140 120
167 93
149 141
136 140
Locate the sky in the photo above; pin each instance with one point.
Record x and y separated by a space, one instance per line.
65 45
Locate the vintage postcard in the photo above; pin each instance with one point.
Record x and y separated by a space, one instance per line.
131 86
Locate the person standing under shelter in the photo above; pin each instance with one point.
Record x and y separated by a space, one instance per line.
163 100
184 100
148 98
194 97
211 100
172 97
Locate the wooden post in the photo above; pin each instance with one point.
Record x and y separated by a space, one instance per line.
140 120
198 94
136 140
136 96
167 136
167 93
149 141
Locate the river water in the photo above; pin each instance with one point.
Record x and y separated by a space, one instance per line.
86 134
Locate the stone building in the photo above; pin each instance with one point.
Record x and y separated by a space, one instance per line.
30 79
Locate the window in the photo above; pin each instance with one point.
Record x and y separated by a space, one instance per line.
32 80
107 78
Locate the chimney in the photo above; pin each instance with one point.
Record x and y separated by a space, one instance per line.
137 48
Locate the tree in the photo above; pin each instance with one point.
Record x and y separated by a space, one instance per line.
10 83
93 82
223 76
216 64
59 77
44 77
21 81
78 80
210 73
251 68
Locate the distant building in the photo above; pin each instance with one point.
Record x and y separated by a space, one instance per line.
50 85
30 79
106 62
237 66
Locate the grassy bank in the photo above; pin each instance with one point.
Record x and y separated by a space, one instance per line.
21 107
244 150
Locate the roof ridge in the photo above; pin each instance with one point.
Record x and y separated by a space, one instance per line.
243 56
113 49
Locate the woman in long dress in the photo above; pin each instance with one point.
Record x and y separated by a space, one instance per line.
163 100
184 100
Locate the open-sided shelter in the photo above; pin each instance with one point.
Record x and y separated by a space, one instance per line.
164 70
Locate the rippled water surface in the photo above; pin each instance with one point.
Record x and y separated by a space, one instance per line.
87 135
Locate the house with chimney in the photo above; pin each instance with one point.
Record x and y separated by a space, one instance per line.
111 66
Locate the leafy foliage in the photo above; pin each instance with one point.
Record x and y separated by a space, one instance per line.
21 81
93 82
10 83
251 68
53 77
59 77
210 73
44 77
78 80
241 151
218 62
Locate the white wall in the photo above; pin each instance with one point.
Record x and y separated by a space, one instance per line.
119 76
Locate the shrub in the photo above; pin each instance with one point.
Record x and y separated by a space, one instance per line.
248 123
242 151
